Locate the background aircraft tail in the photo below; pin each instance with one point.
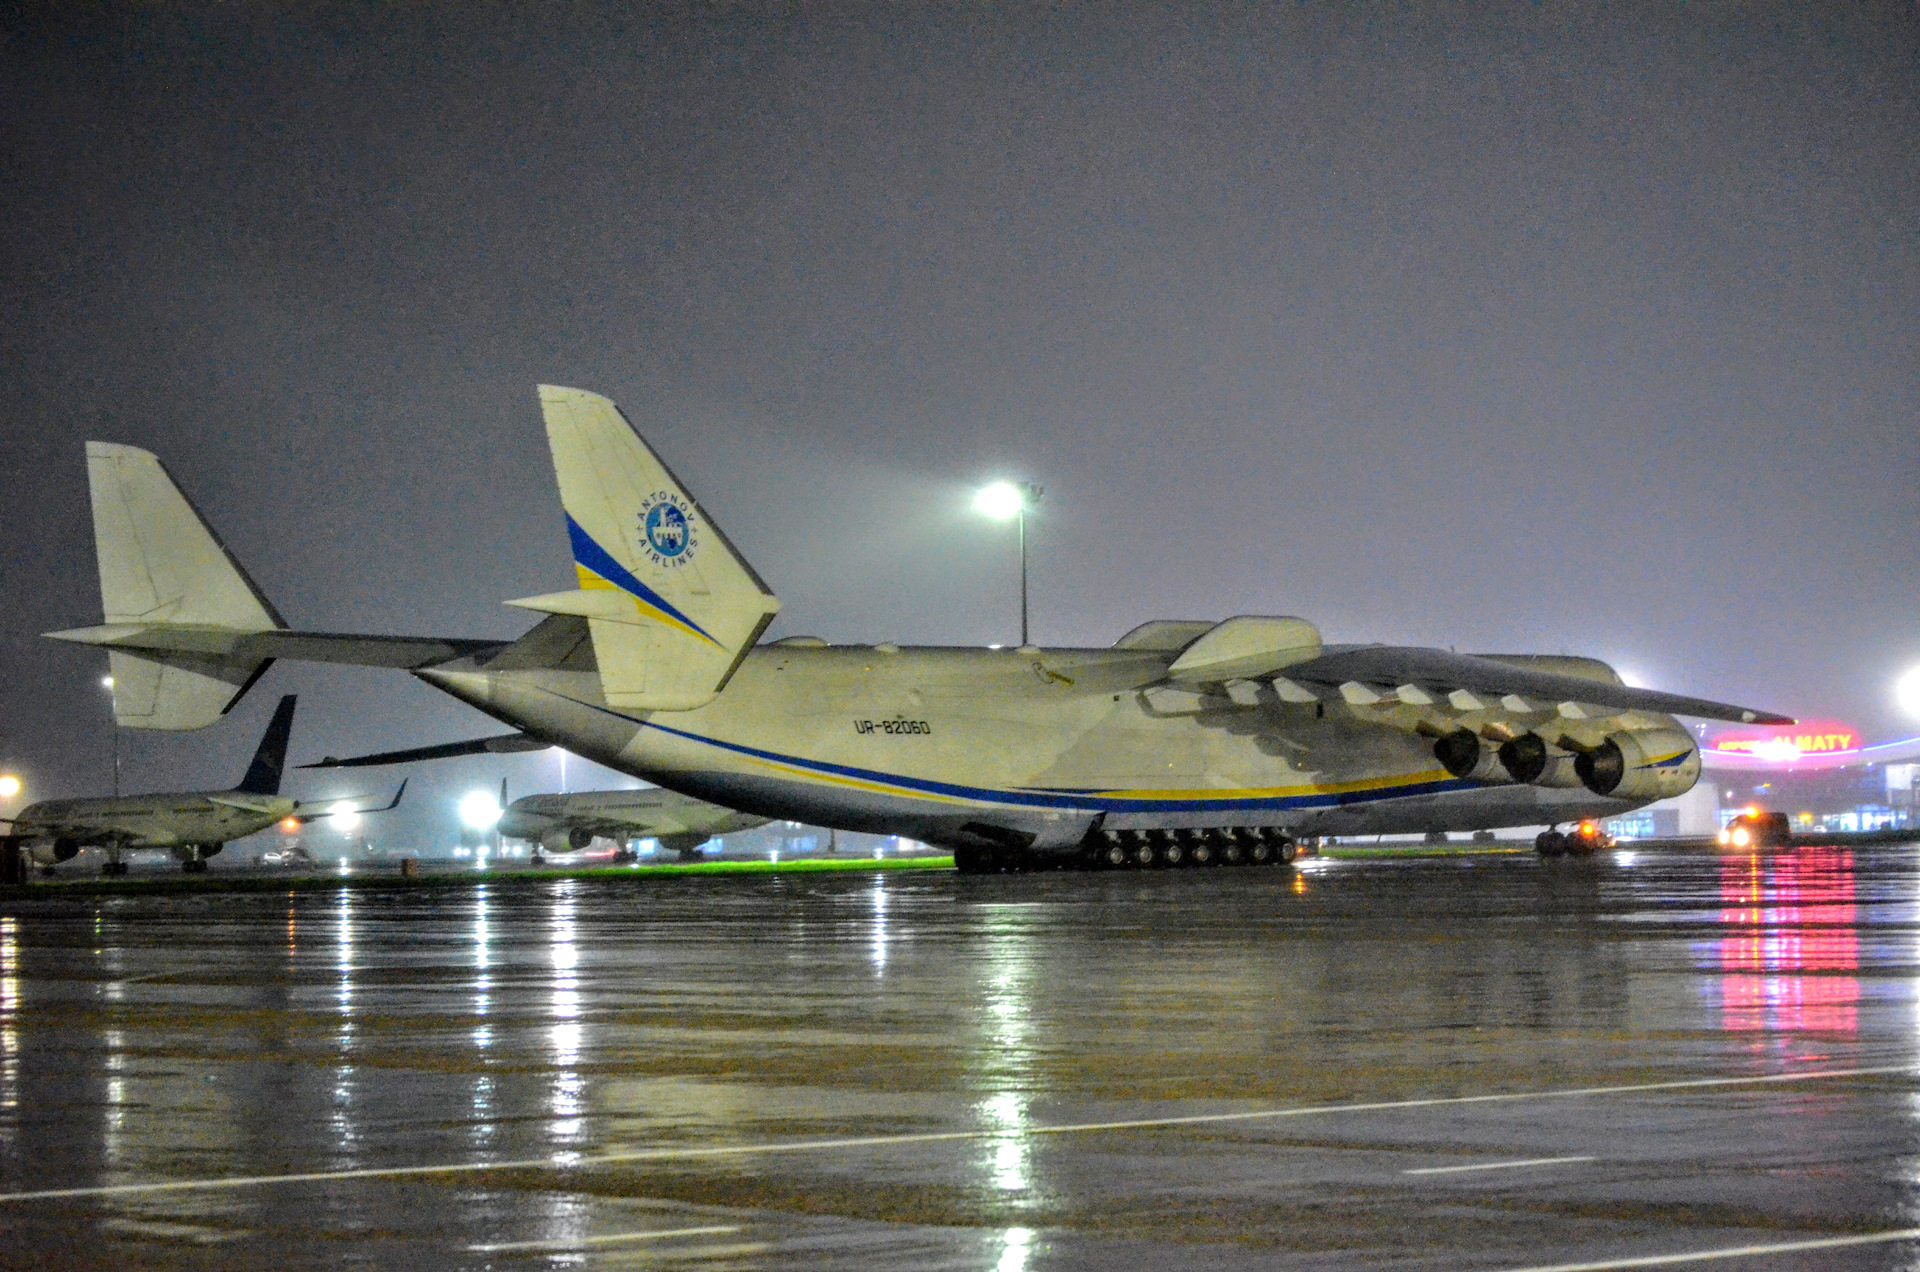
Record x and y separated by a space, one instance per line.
671 605
162 565
263 775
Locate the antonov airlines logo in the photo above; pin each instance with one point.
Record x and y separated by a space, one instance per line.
667 529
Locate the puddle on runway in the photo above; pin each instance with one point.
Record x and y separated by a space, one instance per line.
149 1039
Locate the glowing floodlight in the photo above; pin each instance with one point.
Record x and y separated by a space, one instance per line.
1010 501
1906 691
479 810
1002 501
9 786
106 682
343 816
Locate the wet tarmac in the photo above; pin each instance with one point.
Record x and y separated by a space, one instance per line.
1456 1062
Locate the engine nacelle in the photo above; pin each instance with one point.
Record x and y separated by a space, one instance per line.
64 849
1464 755
1644 764
560 839
1529 759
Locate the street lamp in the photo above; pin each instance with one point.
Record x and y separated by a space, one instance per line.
1007 500
1906 691
113 731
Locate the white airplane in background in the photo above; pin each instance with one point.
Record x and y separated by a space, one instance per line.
1185 742
571 822
564 823
194 825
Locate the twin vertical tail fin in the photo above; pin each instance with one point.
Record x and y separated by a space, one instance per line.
162 567
671 606
263 775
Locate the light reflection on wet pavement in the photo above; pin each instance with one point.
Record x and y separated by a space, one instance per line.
950 1028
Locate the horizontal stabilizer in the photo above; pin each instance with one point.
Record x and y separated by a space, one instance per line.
177 640
1442 673
499 744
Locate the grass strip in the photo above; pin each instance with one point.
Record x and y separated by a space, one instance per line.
214 882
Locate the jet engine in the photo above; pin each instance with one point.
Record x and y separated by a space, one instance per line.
1462 754
562 840
65 849
1644 764
1530 760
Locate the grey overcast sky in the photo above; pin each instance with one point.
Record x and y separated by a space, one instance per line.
1511 327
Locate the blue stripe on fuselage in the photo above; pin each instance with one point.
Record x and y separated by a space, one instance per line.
1087 801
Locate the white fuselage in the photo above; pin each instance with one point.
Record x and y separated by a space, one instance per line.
167 820
620 816
926 742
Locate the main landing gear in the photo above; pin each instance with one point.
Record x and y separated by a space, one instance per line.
1141 850
193 857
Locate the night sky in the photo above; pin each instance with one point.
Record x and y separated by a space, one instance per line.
1550 328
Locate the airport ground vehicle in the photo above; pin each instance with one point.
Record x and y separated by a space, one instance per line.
1583 839
1185 739
1757 828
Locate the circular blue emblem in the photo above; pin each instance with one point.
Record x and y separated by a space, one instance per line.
667 529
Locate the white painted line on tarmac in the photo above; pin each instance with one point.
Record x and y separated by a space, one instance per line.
1514 1165
574 1161
611 1238
1730 1252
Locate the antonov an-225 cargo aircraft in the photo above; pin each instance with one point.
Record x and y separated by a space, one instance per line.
1183 742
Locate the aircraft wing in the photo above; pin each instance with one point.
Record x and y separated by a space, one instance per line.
305 815
1439 671
498 744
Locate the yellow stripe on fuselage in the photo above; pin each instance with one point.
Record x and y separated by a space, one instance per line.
860 784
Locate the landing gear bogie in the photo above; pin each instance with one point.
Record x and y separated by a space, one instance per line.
1146 850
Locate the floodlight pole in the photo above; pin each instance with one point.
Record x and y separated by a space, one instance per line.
1023 575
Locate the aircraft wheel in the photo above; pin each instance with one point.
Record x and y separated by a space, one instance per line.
1173 853
1114 855
537 859
1260 853
1550 843
1233 854
1203 854
114 868
972 861
1143 854
1288 851
48 872
193 865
